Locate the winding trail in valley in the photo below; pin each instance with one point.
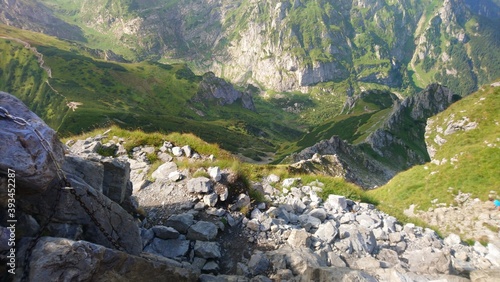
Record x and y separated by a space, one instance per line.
72 105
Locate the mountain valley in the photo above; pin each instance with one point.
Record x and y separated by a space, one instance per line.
244 140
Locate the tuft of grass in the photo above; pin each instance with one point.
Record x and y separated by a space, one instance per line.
201 173
493 228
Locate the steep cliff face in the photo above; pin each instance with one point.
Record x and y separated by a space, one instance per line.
296 45
452 40
214 88
32 15
396 145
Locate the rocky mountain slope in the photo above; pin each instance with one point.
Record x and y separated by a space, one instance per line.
73 89
463 145
295 45
203 228
383 141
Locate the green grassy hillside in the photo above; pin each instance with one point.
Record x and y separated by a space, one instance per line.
467 162
146 95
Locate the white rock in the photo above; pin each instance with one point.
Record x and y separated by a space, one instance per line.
288 182
175 176
177 151
214 173
187 151
273 178
336 202
164 170
327 232
452 240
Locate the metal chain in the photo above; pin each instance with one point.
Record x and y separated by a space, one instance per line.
96 222
65 185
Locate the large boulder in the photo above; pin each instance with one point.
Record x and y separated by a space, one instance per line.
116 179
113 218
92 172
23 147
57 259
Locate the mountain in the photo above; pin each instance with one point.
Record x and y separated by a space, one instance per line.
377 136
329 46
74 90
463 144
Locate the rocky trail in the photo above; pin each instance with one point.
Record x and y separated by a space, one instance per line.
183 225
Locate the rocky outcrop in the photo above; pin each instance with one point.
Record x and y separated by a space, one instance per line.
67 260
395 146
214 88
29 147
32 15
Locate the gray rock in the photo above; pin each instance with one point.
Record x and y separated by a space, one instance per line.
380 234
207 250
198 262
337 274
87 146
389 224
266 224
298 205
5 234
116 179
188 152
92 172
299 238
327 232
222 191
163 171
395 237
90 262
335 202
222 278
347 218
147 236
428 261
164 157
242 201
366 263
485 275
165 232
113 219
180 222
211 267
335 260
253 225
66 230
210 199
202 230
299 260
258 264
389 256
214 173
175 176
22 150
199 185
172 248
309 222
318 213
367 221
